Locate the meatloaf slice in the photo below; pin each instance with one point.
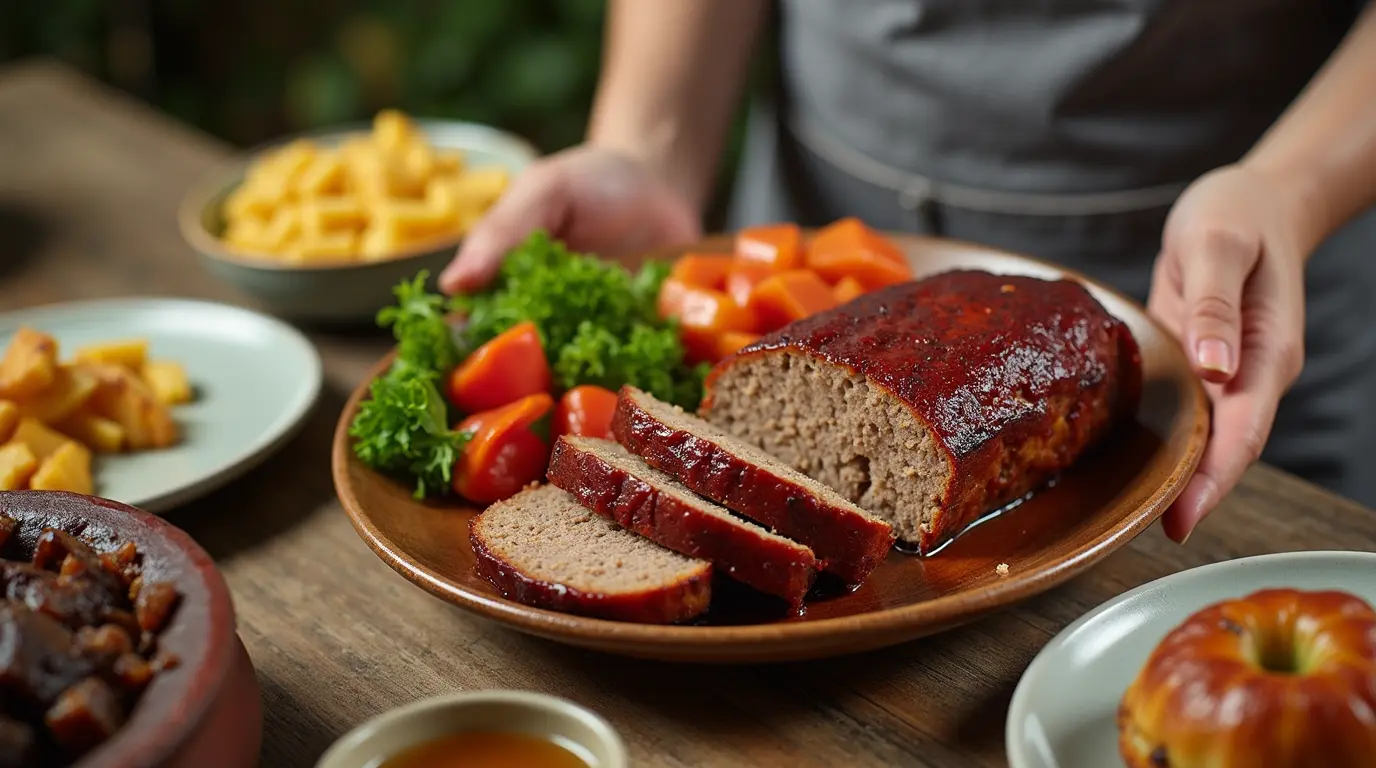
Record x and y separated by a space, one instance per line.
849 541
609 480
930 403
542 548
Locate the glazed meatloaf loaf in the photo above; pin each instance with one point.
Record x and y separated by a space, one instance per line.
932 402
611 481
542 548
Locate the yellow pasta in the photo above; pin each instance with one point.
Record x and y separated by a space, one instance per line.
373 196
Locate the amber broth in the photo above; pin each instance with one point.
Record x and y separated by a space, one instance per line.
486 749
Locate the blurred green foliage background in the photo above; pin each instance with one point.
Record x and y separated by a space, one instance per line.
249 70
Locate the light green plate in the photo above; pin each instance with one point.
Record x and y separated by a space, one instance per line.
1064 709
255 378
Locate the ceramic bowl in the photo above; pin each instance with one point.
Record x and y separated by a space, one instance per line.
332 293
204 712
579 729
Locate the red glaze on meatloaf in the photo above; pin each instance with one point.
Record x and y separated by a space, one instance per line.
542 548
612 482
848 540
933 402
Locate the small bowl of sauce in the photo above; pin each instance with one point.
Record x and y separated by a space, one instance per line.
481 729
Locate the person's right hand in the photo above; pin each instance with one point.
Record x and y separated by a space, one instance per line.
594 199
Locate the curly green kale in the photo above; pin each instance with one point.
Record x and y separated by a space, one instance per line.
598 321
403 427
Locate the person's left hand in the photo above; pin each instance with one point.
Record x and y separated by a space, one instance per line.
1229 283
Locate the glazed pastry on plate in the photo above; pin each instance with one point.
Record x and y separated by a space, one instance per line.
1281 678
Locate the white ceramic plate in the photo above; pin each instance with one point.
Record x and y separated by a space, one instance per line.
256 380
1063 712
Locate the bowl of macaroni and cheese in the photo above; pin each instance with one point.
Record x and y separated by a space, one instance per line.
319 227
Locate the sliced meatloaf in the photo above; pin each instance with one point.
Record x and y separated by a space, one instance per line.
542 548
932 402
849 541
609 480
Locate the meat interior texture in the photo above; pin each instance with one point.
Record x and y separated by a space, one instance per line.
78 644
932 402
541 547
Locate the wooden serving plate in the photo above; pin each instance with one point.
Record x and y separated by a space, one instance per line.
1093 509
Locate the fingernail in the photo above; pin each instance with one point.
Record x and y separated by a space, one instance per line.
1214 355
1186 537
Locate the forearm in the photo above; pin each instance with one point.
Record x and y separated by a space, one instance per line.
1324 146
672 73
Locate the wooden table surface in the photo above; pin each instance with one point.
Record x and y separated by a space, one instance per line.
89 184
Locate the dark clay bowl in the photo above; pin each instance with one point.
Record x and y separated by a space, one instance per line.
204 713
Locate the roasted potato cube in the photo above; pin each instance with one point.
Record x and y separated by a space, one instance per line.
130 353
100 434
69 391
17 465
41 439
9 419
68 469
125 399
29 365
168 380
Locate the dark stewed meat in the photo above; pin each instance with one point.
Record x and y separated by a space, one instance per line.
78 644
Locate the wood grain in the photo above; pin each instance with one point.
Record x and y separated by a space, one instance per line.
89 184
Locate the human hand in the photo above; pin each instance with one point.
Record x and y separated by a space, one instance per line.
1229 283
592 198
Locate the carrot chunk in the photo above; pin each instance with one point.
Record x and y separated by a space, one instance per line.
703 309
848 248
846 289
743 277
702 270
849 235
780 299
731 342
777 246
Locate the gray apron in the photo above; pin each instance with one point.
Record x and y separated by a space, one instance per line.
1065 129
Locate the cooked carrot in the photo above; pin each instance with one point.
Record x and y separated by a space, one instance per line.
868 268
851 234
712 347
731 342
846 289
702 270
780 299
778 246
703 309
503 370
743 278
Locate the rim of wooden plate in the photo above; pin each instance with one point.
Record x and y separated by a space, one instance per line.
780 641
